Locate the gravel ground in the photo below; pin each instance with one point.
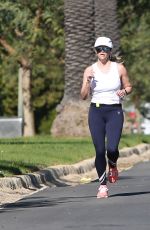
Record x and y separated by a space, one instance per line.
124 163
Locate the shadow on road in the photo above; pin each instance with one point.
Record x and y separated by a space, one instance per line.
120 178
34 202
130 194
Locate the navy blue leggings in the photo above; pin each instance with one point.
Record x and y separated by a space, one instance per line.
105 123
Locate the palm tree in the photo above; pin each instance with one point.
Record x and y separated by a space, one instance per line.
84 21
79 23
106 23
79 40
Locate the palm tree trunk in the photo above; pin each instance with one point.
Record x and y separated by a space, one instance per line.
106 23
79 39
84 21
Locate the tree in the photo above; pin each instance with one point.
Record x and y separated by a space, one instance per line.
106 21
84 21
79 40
134 20
28 32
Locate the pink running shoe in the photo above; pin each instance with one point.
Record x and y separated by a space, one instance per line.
113 175
102 192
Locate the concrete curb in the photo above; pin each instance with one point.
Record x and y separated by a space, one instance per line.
51 176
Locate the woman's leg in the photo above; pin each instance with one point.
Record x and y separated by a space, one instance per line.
97 129
114 126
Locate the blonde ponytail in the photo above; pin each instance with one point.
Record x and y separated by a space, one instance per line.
116 58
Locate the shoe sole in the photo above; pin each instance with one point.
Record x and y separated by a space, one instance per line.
102 197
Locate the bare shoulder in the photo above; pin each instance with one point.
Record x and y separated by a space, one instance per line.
88 71
122 69
89 68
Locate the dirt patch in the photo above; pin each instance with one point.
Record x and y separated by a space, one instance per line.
124 163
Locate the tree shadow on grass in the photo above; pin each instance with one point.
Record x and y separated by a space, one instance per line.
48 142
16 168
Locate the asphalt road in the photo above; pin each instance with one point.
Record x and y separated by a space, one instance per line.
127 208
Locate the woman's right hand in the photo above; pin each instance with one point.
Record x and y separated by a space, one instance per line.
89 74
87 77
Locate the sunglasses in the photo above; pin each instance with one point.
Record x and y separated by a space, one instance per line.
105 49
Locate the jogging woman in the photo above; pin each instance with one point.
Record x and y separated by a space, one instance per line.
108 83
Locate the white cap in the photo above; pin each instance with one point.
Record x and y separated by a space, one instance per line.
103 41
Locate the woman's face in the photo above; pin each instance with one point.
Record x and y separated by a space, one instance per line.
103 52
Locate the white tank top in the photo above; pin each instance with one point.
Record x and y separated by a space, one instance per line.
105 85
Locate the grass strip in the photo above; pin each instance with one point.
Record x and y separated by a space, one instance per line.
24 155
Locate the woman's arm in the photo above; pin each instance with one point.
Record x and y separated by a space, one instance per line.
87 76
126 85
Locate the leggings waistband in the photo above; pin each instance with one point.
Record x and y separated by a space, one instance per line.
105 105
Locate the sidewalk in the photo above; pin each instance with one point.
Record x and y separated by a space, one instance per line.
76 207
15 188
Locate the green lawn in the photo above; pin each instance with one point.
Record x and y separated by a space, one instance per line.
23 155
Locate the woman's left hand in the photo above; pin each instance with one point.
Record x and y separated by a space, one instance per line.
121 93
